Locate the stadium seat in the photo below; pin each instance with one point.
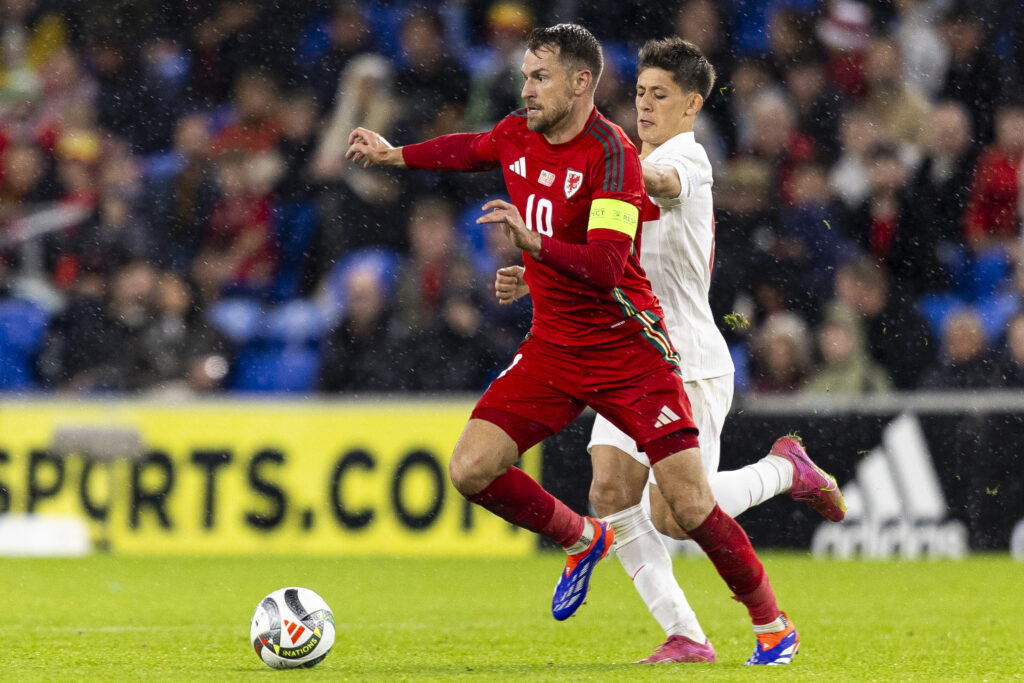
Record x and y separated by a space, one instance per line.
995 313
240 319
473 237
989 272
936 309
296 323
22 326
269 368
741 361
292 229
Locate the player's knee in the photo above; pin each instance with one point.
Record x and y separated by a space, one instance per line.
469 472
666 524
686 512
608 496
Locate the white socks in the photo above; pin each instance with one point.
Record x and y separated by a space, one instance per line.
738 490
584 542
646 560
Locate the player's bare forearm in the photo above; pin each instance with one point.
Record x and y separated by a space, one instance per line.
506 215
368 148
661 180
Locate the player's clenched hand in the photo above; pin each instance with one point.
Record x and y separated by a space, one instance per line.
369 148
507 215
510 285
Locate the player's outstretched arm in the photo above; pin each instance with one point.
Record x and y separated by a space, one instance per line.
661 180
368 148
510 285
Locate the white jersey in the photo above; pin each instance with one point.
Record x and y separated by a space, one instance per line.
677 252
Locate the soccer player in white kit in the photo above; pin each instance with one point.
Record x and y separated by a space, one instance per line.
677 253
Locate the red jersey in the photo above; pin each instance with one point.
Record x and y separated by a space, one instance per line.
553 186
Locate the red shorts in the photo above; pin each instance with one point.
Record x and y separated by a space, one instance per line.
630 382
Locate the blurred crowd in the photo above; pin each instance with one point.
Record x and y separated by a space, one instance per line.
177 216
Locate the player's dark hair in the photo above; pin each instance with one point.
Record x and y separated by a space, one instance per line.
690 69
578 49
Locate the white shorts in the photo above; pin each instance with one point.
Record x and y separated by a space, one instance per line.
710 400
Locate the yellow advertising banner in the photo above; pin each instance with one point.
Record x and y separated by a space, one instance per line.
253 477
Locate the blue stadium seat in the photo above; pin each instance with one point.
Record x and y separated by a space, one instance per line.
740 354
269 368
22 327
241 319
297 322
936 309
995 313
292 228
990 271
473 237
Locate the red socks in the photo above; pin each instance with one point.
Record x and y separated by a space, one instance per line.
516 497
729 549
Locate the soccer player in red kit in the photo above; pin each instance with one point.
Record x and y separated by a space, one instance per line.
576 190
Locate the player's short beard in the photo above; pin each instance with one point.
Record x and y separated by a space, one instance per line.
551 115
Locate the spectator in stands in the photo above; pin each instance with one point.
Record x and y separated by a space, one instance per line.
455 353
898 338
1010 370
902 111
294 195
744 211
179 353
366 350
847 367
496 82
809 240
236 36
792 40
32 32
237 252
925 56
994 209
777 142
965 362
845 30
433 86
972 77
879 218
91 346
23 181
751 81
360 205
931 241
702 23
255 106
817 104
859 133
343 36
115 237
436 266
182 188
782 356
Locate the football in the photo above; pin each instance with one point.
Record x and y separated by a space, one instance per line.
292 628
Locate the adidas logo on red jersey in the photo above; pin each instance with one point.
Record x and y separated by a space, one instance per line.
518 167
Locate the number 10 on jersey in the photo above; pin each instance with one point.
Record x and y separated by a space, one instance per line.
539 215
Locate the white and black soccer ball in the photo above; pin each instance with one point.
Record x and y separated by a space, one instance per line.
292 628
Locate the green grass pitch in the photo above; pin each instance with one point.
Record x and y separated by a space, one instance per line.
109 618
